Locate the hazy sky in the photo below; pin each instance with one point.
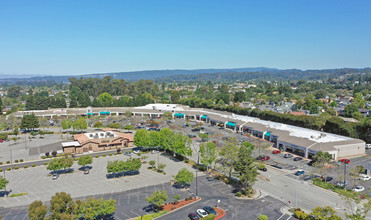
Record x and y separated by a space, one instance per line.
78 37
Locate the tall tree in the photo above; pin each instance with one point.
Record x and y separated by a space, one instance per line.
184 177
229 155
37 210
62 206
208 154
158 198
96 208
175 96
246 168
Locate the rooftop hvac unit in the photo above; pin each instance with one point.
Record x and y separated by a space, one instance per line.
101 134
91 135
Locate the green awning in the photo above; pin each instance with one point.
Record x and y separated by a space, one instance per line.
179 115
268 134
204 116
104 113
231 124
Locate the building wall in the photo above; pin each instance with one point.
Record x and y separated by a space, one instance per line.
350 150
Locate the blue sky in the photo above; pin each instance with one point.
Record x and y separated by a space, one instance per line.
78 37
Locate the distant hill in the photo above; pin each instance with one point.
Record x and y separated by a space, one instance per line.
199 75
264 75
135 75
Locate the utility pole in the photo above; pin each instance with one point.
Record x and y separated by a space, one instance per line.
345 171
296 193
11 159
198 163
6 193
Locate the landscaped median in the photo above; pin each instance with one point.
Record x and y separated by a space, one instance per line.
339 190
169 207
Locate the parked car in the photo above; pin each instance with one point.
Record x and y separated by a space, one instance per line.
86 171
298 158
341 183
345 161
127 153
327 179
310 163
202 213
288 156
263 158
192 136
1 140
358 188
137 149
264 169
221 128
55 176
299 172
155 151
364 177
276 152
209 210
193 216
368 146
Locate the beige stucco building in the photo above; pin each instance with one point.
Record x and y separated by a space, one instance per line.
98 141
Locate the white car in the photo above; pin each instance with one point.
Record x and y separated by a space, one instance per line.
202 213
368 146
364 177
358 189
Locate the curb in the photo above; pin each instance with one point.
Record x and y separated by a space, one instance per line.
259 192
219 217
178 208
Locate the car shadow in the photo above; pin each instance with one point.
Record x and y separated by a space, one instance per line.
86 167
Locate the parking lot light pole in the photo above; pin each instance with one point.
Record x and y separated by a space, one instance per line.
345 172
296 193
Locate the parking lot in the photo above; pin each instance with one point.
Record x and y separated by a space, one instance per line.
37 181
132 203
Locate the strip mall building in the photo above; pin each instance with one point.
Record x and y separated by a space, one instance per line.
300 141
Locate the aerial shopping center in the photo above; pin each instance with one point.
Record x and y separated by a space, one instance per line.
298 140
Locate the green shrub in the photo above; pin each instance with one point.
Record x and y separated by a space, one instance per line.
239 194
33 165
18 194
158 214
96 156
115 153
139 153
1 170
21 160
8 162
8 169
45 163
144 217
50 156
76 159
1 163
209 217
263 217
58 155
16 161
104 155
186 160
110 154
300 214
25 166
43 157
16 168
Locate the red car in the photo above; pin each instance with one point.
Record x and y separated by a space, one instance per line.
345 161
1 140
276 152
263 158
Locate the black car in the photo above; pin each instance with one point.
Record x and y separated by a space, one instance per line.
297 158
209 210
327 179
311 162
196 129
192 136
